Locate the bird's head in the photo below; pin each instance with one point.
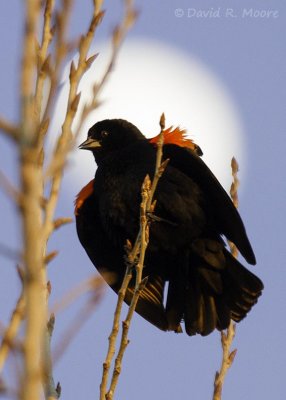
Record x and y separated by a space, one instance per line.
110 135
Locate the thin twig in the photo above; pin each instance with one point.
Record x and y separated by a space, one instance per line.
50 256
62 49
227 360
147 193
139 286
95 283
59 222
12 330
44 70
79 320
234 197
43 61
118 36
114 332
50 389
159 169
9 188
28 131
124 339
9 129
64 143
227 338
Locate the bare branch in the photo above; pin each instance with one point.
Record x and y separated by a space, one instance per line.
50 256
160 167
139 286
29 63
234 197
124 340
140 246
50 390
62 221
9 189
8 129
62 49
65 140
31 212
41 64
227 338
43 60
227 360
114 332
79 320
12 330
93 285
118 37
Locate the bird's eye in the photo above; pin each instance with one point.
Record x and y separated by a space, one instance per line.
104 134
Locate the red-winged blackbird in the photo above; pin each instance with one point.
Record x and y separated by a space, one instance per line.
207 285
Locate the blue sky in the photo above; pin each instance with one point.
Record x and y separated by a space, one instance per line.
247 53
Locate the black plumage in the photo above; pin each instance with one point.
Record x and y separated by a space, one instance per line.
207 285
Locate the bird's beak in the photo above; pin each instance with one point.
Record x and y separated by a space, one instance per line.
89 144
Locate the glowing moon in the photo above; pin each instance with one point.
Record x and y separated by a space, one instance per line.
150 78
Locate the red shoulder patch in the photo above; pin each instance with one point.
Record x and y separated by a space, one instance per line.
82 196
175 136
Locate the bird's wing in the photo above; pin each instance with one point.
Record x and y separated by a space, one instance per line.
226 217
109 260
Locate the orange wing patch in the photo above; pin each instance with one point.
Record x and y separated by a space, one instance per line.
85 192
176 136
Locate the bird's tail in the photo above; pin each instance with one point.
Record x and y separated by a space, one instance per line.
208 296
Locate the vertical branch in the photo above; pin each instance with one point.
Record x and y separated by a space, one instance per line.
147 206
61 49
51 391
35 274
118 37
234 197
28 70
139 286
36 231
43 60
114 332
30 208
227 360
227 338
37 213
63 145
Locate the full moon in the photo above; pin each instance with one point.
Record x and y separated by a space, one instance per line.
150 78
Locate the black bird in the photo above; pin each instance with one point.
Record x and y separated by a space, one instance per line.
207 286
